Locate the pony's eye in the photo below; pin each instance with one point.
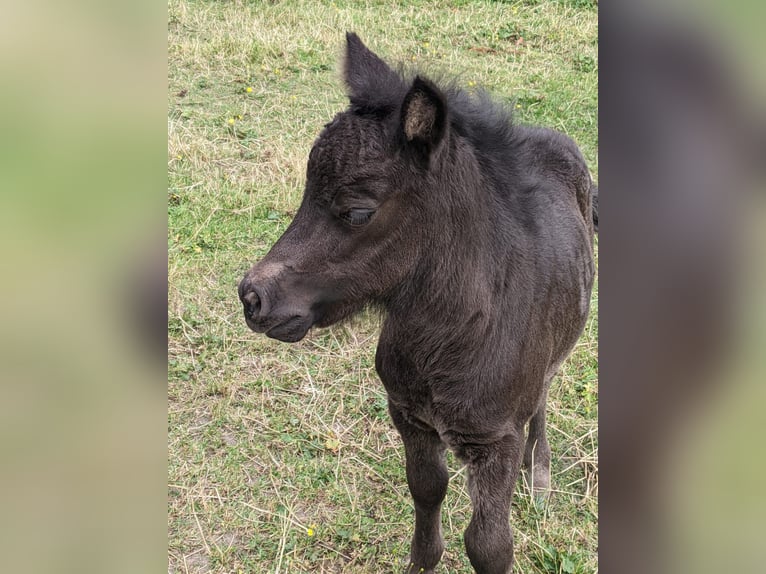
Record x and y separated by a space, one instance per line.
357 217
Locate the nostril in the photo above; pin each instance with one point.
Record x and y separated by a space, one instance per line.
252 303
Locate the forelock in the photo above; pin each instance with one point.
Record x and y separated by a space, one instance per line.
349 148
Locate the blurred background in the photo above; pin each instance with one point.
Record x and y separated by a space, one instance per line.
681 275
82 313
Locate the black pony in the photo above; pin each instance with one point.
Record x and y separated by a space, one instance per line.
475 237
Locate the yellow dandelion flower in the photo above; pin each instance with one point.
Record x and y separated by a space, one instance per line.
518 106
426 44
310 531
471 84
231 121
248 89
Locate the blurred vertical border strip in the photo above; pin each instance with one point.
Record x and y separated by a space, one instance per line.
82 225
682 213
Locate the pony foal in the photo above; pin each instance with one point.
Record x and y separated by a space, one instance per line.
475 236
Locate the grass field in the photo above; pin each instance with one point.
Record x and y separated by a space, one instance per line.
282 457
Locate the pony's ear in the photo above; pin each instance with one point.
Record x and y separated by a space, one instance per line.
424 117
369 79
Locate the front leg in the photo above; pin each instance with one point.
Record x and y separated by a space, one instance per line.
492 471
427 478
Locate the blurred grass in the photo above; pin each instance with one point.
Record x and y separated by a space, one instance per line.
268 440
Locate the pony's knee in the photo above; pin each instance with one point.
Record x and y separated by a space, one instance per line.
490 550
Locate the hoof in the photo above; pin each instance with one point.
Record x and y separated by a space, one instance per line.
538 481
412 568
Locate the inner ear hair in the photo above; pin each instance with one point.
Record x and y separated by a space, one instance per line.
419 118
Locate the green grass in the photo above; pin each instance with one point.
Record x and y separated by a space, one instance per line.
267 440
